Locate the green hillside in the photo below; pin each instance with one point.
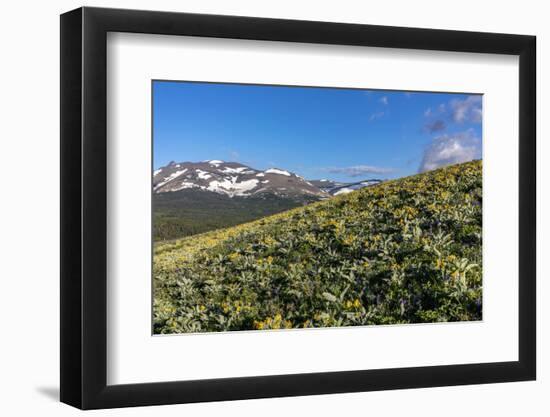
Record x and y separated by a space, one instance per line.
189 212
406 251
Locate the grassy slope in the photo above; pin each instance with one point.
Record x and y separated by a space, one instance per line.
407 251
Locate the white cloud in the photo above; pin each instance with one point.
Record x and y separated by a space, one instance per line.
467 110
451 149
428 112
477 113
358 170
377 115
384 100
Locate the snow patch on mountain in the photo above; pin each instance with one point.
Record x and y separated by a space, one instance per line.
232 187
170 177
229 170
185 185
203 175
215 162
277 171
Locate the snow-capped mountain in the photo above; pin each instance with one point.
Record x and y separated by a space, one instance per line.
232 179
337 188
327 185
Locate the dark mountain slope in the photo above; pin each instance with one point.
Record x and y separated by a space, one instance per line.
188 212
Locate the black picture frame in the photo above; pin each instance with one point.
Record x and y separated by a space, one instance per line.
84 207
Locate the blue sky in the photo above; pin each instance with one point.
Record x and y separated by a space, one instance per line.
339 134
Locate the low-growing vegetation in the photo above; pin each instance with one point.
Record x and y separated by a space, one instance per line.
405 251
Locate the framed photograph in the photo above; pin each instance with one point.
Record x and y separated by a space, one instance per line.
257 208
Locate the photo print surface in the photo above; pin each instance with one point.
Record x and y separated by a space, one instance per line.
290 207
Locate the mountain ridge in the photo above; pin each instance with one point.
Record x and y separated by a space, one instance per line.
237 179
231 179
